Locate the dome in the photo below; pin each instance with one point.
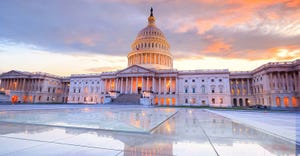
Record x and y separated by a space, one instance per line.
151 48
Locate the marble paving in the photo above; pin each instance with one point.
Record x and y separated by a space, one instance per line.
187 132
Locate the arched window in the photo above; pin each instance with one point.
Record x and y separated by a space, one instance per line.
152 45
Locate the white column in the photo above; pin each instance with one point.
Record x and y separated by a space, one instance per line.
126 86
165 79
147 83
136 83
143 83
171 85
131 83
295 81
23 84
276 81
153 84
248 87
287 82
298 83
176 83
121 88
116 84
159 85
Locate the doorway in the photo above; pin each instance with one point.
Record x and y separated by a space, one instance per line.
139 90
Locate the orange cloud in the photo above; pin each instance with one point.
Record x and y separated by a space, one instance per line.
231 13
88 40
218 46
285 53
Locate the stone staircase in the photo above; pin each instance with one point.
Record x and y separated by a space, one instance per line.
4 98
126 99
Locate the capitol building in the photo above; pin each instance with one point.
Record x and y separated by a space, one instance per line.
150 79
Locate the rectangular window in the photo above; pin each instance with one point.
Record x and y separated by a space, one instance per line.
194 90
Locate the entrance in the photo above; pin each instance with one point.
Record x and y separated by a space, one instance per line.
139 90
234 102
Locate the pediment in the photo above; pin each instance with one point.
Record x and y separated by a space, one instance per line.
135 69
13 73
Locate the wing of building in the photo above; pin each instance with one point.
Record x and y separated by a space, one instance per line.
150 79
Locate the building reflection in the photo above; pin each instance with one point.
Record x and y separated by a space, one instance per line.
187 125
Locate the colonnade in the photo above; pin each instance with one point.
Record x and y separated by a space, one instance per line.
22 84
150 58
284 81
138 84
241 86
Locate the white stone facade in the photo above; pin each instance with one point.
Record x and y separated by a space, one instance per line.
151 77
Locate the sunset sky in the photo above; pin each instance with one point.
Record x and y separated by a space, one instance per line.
66 37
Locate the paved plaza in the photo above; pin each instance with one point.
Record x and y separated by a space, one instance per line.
137 130
284 124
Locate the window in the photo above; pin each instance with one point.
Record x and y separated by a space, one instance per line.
193 80
79 90
185 80
48 98
74 90
75 82
186 100
49 89
220 80
203 89
221 88
193 101
186 89
213 91
212 80
194 90
213 101
221 100
202 80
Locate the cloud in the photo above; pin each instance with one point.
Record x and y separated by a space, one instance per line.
104 69
243 29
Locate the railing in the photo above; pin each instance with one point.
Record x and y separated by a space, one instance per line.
204 71
82 75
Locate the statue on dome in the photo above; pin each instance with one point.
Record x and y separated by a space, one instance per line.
151 11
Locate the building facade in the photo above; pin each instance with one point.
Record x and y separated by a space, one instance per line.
151 79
